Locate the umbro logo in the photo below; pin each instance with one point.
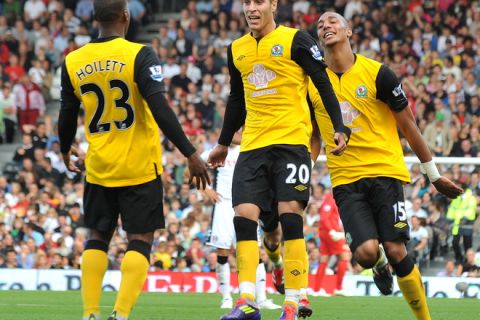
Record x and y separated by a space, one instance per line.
295 272
414 302
301 187
240 57
400 225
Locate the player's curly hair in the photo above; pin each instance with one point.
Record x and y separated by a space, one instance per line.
107 11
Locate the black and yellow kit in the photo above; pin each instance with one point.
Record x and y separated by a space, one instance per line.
368 93
269 81
114 79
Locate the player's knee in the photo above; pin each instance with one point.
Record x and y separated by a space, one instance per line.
222 259
141 247
292 226
245 229
366 255
395 251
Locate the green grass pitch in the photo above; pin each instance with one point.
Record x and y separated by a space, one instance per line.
48 305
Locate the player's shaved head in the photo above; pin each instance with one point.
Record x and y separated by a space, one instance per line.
107 11
341 18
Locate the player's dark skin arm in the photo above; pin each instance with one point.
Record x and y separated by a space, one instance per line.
315 141
168 122
406 123
389 91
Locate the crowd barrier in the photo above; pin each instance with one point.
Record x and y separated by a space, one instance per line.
205 282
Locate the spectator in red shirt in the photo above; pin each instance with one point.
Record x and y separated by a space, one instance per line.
332 243
14 70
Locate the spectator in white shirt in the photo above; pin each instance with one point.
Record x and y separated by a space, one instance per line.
33 10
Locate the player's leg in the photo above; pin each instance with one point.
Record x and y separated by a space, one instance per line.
291 182
322 267
134 270
294 253
94 265
250 193
245 222
261 284
141 210
101 215
361 232
304 308
342 266
394 231
222 238
272 244
223 276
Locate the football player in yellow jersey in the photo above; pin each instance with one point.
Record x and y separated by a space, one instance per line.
269 69
120 85
368 179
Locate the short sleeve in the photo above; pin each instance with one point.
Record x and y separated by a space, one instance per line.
148 72
389 89
305 52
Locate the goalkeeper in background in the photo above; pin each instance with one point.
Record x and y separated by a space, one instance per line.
332 243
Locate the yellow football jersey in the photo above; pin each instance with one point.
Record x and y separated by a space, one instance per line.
374 148
123 138
275 87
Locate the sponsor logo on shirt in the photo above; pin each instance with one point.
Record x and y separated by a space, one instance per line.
277 50
316 54
349 114
156 73
260 77
361 91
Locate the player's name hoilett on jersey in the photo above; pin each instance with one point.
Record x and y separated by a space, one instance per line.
100 66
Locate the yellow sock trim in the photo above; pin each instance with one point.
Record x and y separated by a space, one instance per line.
94 265
294 269
275 255
134 270
414 293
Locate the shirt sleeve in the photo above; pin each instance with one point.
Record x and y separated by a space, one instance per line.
69 108
149 77
306 54
235 111
389 89
148 72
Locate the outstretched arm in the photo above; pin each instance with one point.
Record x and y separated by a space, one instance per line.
390 91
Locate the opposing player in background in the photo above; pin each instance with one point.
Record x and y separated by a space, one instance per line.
332 243
368 179
120 85
222 236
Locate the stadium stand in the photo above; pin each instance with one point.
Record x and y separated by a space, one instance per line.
431 45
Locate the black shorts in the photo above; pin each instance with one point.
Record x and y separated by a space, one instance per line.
140 207
283 169
372 208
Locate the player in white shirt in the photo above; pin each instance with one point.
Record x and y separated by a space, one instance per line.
222 235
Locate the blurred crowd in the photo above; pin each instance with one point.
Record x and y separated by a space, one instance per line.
430 44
